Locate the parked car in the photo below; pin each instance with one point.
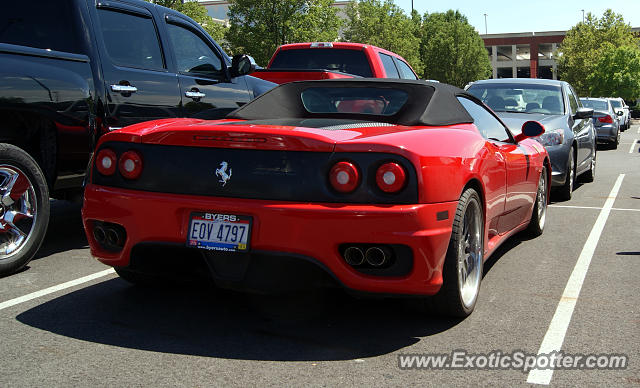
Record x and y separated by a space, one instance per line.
378 186
73 70
620 106
605 120
329 60
570 137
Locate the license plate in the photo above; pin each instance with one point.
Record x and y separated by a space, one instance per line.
219 232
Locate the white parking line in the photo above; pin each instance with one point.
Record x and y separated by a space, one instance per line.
594 208
59 287
633 145
554 337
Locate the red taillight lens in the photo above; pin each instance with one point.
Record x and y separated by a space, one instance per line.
606 119
391 177
344 177
106 162
130 165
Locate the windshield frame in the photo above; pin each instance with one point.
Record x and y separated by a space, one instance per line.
485 86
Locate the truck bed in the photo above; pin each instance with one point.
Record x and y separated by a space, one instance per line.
281 76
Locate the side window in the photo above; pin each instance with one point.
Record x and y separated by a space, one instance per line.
405 70
487 124
43 24
573 103
193 55
131 40
389 66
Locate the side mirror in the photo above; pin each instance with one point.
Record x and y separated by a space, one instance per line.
583 113
530 129
620 113
242 64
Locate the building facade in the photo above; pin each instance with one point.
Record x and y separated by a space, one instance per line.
524 55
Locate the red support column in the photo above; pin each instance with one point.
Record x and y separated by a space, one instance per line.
533 59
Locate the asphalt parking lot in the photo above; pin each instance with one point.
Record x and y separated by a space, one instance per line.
572 289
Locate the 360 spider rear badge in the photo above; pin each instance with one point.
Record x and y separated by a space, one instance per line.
222 173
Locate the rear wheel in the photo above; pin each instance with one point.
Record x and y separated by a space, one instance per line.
539 214
462 269
566 190
615 143
590 175
24 208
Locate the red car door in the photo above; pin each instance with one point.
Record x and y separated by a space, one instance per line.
521 186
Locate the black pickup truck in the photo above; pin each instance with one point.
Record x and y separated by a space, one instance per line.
71 70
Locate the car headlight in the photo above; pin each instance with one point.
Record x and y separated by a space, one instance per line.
551 138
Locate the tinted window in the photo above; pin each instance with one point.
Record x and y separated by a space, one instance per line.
573 101
487 124
372 101
193 55
616 103
41 24
131 40
343 60
524 97
596 104
405 70
389 66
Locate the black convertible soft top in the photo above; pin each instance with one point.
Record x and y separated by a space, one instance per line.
427 103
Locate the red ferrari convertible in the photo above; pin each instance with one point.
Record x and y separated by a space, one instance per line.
378 186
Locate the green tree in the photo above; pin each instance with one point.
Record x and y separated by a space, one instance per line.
584 46
384 24
197 12
617 73
258 27
452 50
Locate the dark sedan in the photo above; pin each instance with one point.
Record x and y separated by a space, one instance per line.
569 138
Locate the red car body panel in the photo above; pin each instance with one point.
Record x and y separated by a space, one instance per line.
311 230
446 159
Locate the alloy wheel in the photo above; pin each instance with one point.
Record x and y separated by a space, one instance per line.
470 255
18 210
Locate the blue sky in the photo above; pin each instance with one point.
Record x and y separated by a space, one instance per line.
525 15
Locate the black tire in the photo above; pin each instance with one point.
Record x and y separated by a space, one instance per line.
539 214
24 195
450 299
565 191
590 175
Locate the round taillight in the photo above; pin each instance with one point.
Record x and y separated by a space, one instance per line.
344 177
130 165
391 177
106 162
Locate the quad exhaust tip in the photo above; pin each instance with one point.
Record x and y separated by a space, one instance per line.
354 256
377 256
374 256
109 236
99 234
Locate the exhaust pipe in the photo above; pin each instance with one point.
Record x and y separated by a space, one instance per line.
113 237
99 234
354 256
377 256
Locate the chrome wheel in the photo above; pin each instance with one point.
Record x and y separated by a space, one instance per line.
18 210
470 254
571 172
541 199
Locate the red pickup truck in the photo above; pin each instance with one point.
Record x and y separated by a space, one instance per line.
324 60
